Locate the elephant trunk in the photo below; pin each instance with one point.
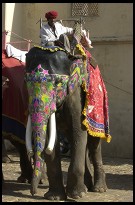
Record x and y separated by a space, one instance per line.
39 144
39 135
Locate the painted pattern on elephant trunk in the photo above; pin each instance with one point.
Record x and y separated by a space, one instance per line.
42 103
45 92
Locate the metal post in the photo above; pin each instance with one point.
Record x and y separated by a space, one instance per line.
29 41
41 22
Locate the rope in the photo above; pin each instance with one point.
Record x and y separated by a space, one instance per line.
32 42
16 38
17 35
119 88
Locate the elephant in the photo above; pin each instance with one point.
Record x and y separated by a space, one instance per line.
54 84
13 129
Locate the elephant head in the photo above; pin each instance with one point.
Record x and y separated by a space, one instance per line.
50 77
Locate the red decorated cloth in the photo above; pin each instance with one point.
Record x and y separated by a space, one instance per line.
96 109
15 97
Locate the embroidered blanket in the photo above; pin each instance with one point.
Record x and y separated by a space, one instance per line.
96 109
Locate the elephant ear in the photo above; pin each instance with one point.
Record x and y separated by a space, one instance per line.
79 74
72 85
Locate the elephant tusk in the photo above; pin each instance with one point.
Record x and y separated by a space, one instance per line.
52 134
28 138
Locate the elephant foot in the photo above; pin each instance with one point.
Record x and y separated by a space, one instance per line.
100 187
100 183
76 193
55 195
41 181
23 179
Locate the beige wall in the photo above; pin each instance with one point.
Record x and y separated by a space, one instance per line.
111 33
12 20
116 65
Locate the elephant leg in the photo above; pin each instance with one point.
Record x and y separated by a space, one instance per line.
88 177
94 144
54 173
75 181
25 164
26 167
5 157
78 140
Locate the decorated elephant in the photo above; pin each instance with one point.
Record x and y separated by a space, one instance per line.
57 87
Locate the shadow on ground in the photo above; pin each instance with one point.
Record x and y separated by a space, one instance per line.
118 181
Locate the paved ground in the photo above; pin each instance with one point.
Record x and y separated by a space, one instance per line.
119 174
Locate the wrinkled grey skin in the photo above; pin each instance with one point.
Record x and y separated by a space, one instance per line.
83 147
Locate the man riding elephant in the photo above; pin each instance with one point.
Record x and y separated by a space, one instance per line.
54 33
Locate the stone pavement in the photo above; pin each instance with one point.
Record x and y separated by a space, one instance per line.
119 176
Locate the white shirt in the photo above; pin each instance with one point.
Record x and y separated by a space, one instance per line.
47 35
